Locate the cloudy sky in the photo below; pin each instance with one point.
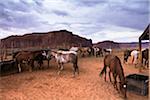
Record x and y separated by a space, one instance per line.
99 20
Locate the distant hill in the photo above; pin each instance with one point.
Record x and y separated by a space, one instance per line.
107 44
53 39
117 45
134 45
60 39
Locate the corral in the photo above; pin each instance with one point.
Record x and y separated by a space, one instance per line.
46 84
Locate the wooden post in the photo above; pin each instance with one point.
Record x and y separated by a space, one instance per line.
140 55
1 51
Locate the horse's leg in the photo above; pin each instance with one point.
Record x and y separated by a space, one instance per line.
96 54
110 76
77 69
31 65
74 70
147 63
144 62
48 62
60 66
105 73
115 81
30 69
19 67
40 63
133 59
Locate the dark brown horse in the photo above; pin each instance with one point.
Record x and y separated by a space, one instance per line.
29 57
114 64
145 57
127 53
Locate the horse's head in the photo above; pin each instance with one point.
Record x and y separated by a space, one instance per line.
123 88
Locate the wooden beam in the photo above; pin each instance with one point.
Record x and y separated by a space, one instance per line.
145 34
140 55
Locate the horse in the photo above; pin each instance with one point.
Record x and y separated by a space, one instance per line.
133 54
63 57
114 64
127 53
145 58
22 57
45 56
29 57
75 49
98 51
91 51
107 51
84 51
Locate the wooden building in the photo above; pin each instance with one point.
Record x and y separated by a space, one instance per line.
145 36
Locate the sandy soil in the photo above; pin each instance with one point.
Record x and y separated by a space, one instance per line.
47 85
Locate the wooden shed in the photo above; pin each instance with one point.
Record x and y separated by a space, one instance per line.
145 36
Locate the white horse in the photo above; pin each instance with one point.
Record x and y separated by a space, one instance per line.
63 57
74 49
134 56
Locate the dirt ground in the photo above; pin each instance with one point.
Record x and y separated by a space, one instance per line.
47 85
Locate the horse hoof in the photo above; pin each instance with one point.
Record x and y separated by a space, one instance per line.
58 72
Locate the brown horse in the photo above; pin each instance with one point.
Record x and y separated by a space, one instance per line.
29 57
114 64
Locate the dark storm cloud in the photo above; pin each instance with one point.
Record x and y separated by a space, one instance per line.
17 15
15 6
38 2
88 3
87 17
127 14
60 13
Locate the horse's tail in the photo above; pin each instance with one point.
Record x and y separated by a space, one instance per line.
103 70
